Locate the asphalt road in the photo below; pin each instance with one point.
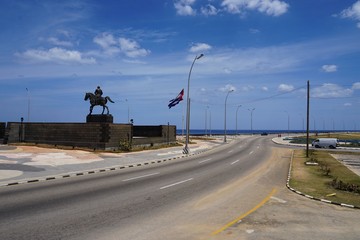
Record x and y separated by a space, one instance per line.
207 196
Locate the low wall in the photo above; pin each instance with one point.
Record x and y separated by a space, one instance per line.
89 135
2 129
154 135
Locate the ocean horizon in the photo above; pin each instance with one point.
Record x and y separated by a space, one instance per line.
246 132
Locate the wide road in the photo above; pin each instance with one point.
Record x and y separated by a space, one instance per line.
200 197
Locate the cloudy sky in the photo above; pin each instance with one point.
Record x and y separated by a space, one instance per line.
140 53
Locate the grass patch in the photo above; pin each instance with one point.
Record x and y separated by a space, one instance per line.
316 180
353 138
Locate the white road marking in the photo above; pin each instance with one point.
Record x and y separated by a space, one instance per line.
143 176
205 160
177 183
230 151
251 152
235 162
278 199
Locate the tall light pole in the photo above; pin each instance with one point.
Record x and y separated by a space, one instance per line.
186 149
128 110
28 95
225 114
288 121
206 127
251 119
210 123
237 109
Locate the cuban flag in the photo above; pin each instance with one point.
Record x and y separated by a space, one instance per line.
175 101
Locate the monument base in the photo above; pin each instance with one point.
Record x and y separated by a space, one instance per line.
99 118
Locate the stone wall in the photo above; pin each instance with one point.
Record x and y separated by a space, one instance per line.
2 129
90 135
154 135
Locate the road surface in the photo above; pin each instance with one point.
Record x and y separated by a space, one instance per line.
214 195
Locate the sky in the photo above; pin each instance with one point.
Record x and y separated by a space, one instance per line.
258 57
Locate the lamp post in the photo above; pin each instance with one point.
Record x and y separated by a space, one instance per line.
206 127
237 109
209 122
251 119
28 95
186 149
288 121
225 114
128 110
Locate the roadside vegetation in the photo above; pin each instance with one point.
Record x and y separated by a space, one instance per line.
322 176
346 139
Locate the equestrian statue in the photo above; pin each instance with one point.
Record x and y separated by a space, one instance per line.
96 99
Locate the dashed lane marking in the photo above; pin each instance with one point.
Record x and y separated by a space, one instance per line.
234 162
142 176
177 183
206 160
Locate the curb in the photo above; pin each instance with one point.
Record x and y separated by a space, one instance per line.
93 171
311 197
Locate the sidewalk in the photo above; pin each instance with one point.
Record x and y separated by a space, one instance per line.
25 164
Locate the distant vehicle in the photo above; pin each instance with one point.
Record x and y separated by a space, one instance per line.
264 134
325 143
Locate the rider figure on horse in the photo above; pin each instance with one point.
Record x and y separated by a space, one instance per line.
98 93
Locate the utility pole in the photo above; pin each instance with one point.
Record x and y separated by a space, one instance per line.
307 118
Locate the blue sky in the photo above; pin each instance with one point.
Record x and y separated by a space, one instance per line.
140 53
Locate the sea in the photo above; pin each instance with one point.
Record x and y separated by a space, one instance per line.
250 132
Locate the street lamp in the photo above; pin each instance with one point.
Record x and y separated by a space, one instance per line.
251 119
28 95
225 114
128 111
237 109
186 149
288 121
206 127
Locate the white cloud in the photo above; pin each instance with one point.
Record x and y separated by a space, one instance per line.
352 12
132 49
254 30
265 89
58 55
227 70
227 88
269 7
112 46
330 90
108 43
285 88
356 86
247 88
199 47
209 10
347 104
184 8
57 42
329 68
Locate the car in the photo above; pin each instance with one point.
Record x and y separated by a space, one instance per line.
264 134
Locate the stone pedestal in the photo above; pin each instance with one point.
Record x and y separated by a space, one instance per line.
100 118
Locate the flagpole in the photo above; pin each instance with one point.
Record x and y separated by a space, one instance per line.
186 149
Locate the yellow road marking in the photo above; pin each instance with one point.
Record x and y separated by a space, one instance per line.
245 214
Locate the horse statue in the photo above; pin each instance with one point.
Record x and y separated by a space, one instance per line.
94 101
